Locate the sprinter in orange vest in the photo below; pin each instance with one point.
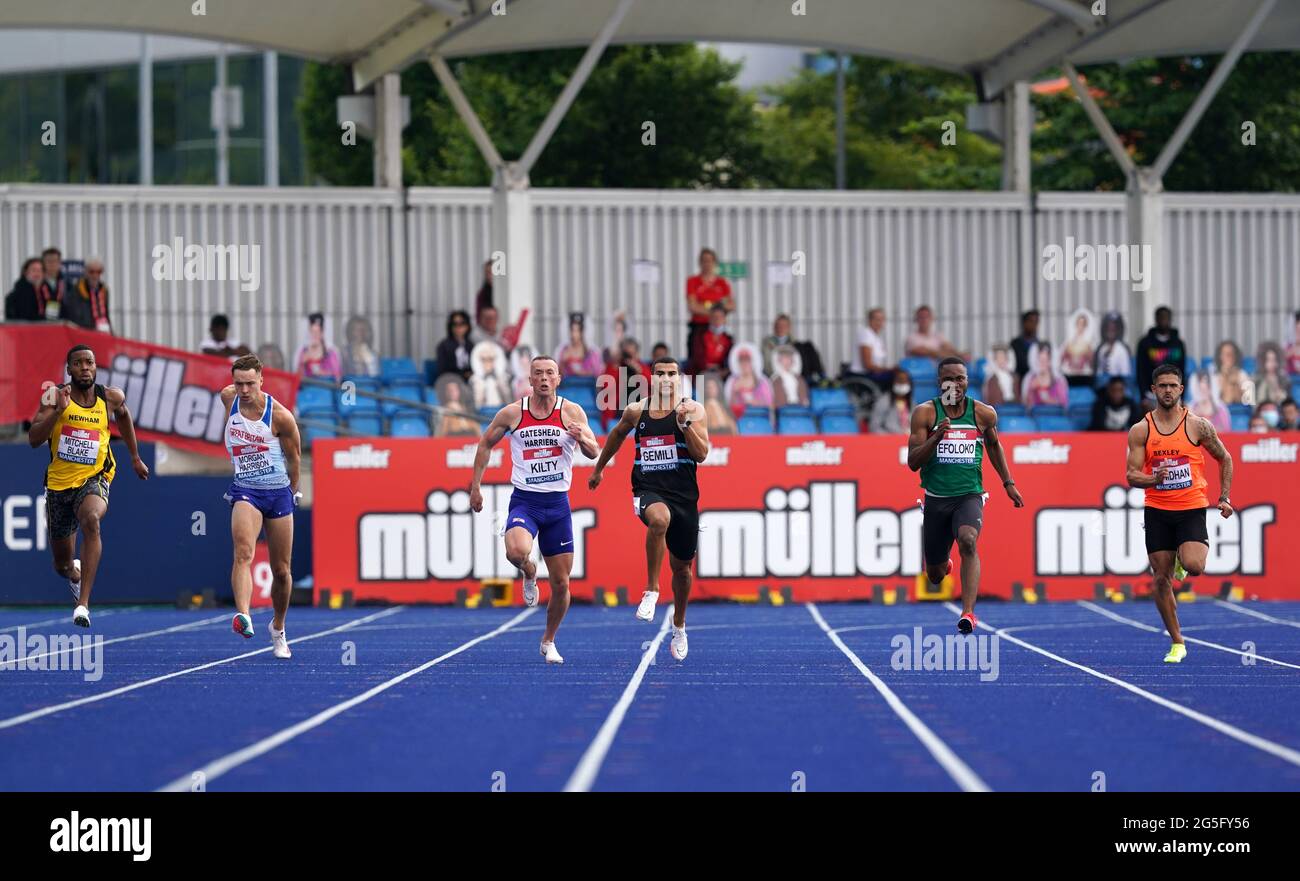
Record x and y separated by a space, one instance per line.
1166 457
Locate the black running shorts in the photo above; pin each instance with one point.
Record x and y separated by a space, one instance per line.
1168 530
683 526
943 516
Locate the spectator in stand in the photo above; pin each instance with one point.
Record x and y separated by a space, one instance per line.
1290 415
1113 357
925 341
1206 402
660 350
85 304
453 396
712 347
1000 377
1021 345
483 299
453 352
25 302
1270 413
718 414
359 355
703 292
812 370
317 358
1077 355
1293 347
1257 425
521 359
617 329
1161 345
222 344
489 327
575 357
871 355
271 356
1044 383
1272 384
624 382
747 386
892 412
1114 410
489 384
1231 383
53 285
789 388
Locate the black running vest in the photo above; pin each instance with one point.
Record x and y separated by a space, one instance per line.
663 465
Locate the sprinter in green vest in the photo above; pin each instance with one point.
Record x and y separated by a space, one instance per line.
949 436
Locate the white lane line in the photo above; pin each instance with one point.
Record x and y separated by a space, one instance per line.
584 775
105 695
1260 743
1241 610
80 646
68 618
218 767
1214 645
958 770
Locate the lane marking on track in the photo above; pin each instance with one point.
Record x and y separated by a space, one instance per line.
1241 610
132 637
958 770
1214 645
1286 753
13 721
229 762
67 618
588 767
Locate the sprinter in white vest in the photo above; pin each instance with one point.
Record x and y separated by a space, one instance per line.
544 431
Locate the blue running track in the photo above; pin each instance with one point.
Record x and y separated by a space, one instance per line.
770 698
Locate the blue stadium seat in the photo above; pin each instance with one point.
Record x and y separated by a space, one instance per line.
793 410
1236 410
920 368
1016 425
369 424
430 370
430 395
399 368
839 413
571 384
312 433
797 424
1082 394
1043 410
1080 417
319 414
362 403
410 423
317 424
407 391
924 390
582 395
488 412
1010 408
823 399
1248 364
765 412
754 425
315 397
1053 423
1240 422
833 423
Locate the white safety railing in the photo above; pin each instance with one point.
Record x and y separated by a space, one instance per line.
1231 260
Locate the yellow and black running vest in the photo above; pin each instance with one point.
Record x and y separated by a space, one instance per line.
79 447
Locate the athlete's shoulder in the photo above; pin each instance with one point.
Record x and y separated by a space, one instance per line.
985 414
113 396
924 410
511 414
280 413
573 411
1140 430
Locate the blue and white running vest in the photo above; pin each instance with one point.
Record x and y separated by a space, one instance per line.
255 450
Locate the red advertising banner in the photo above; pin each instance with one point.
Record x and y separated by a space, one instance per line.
174 396
828 517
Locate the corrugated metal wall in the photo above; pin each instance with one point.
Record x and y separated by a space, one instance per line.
1232 260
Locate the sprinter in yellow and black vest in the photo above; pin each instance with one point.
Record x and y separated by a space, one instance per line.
949 436
73 420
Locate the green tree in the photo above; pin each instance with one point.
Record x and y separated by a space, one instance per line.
703 124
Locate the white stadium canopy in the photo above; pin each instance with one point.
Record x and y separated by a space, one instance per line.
1000 43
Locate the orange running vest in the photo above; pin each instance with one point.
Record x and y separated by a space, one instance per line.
1183 488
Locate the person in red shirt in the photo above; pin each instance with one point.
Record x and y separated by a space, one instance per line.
712 346
703 292
625 381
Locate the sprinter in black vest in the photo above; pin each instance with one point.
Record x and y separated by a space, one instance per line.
671 439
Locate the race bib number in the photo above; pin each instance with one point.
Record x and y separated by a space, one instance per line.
79 445
958 447
658 453
252 460
1179 475
543 464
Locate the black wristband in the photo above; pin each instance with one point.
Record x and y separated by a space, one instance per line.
1007 483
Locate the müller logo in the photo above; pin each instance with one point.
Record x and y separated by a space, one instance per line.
814 453
361 456
463 457
1269 449
162 401
1041 452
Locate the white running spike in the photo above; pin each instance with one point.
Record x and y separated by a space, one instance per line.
550 654
678 645
646 611
279 644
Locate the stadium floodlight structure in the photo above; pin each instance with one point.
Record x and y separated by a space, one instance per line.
999 43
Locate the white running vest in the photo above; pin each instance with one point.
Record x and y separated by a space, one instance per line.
255 450
542 452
